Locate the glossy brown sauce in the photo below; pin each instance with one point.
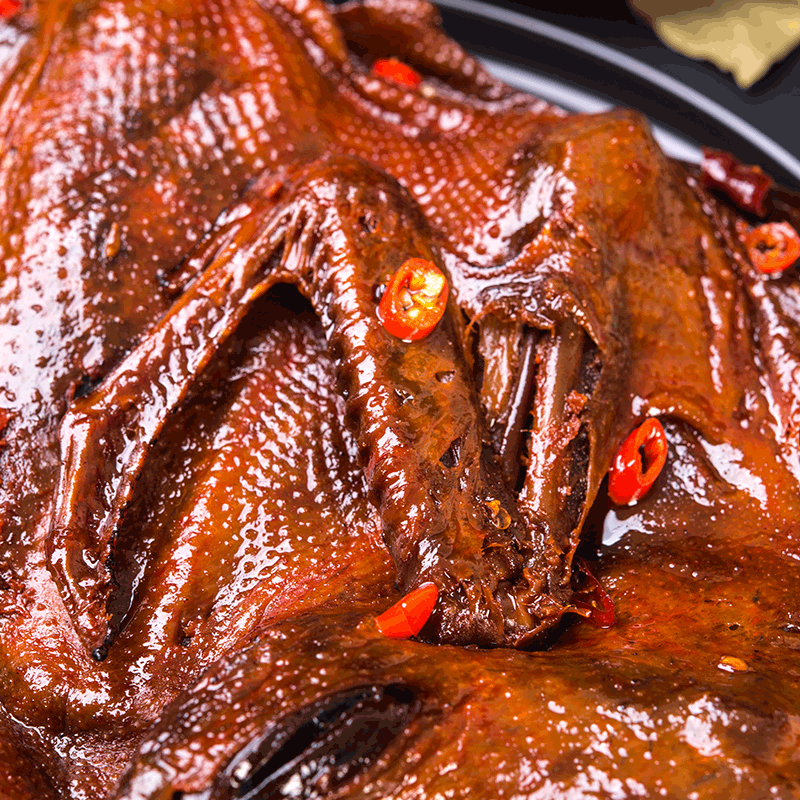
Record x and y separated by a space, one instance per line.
211 485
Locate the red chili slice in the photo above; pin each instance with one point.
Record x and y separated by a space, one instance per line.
414 300
747 186
773 247
637 463
595 599
397 72
407 617
8 8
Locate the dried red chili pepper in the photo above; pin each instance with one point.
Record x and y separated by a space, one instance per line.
408 616
594 599
414 300
637 463
773 247
747 186
8 8
397 72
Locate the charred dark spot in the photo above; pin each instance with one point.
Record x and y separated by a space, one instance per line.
100 654
403 396
591 368
511 436
578 477
85 386
790 627
473 352
451 456
317 750
368 221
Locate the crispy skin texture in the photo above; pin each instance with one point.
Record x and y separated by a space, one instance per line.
214 482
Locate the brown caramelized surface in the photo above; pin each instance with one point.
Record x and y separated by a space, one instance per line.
217 485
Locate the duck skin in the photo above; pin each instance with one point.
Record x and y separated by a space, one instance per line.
195 544
412 404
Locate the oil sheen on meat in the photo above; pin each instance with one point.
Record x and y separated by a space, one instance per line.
217 467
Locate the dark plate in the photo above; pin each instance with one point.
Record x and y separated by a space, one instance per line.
581 73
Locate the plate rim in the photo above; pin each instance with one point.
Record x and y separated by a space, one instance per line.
634 69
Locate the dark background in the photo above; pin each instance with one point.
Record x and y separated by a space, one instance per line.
772 105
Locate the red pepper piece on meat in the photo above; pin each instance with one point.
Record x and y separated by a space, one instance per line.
638 463
747 186
414 300
408 616
594 599
8 8
773 247
397 72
